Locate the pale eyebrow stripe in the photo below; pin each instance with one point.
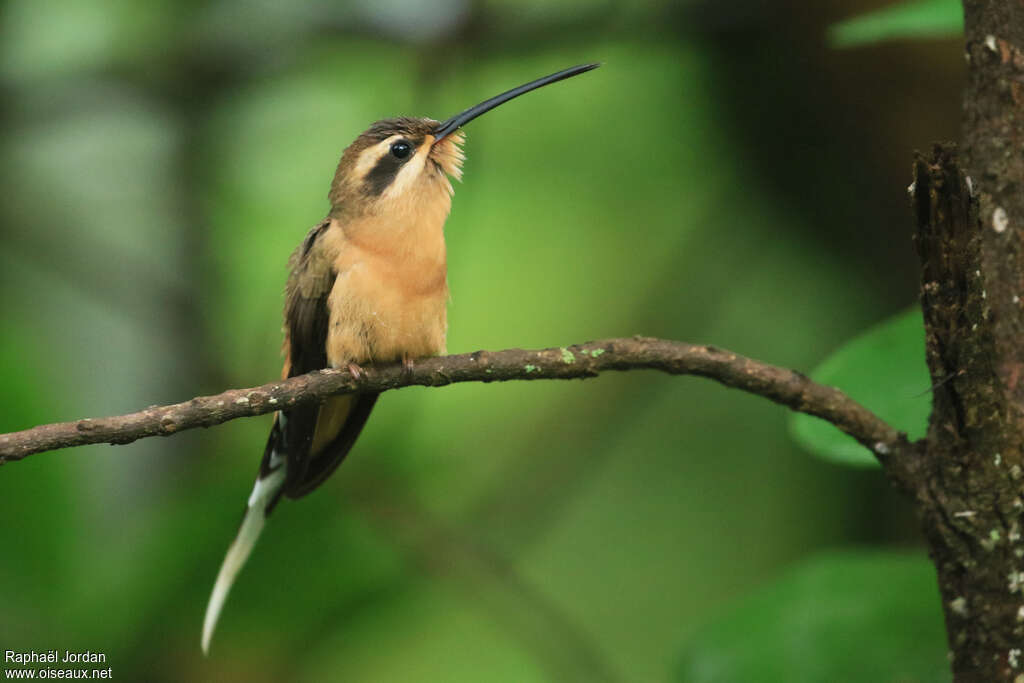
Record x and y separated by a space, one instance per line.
368 157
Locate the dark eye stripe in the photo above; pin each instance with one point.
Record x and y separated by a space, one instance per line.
384 172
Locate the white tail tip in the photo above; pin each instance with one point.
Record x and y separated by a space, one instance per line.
241 547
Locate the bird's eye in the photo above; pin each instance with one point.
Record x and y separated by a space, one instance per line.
400 149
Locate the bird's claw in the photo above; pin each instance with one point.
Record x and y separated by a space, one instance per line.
356 371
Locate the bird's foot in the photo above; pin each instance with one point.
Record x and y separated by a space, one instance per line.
407 366
356 371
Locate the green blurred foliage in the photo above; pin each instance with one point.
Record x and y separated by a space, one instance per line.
723 178
906 20
821 622
885 371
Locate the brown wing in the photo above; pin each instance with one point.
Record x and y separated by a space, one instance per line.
341 419
312 439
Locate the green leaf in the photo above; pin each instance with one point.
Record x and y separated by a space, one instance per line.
845 616
912 20
883 369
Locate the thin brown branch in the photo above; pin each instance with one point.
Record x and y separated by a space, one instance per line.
580 361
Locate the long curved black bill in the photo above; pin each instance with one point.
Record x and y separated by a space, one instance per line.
462 118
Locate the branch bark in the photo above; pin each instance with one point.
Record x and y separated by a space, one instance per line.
786 387
969 490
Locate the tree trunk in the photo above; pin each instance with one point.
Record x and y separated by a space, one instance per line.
967 477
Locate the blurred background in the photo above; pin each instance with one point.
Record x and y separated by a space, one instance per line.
726 177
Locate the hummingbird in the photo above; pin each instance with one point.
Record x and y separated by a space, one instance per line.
368 284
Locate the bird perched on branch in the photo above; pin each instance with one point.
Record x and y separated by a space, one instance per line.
368 284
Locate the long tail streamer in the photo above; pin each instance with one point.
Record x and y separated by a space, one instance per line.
252 524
